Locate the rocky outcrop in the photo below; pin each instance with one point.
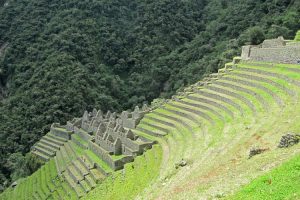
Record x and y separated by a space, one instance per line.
289 140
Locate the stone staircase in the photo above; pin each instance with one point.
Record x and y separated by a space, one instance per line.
47 147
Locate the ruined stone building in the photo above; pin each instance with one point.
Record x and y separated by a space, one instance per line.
273 50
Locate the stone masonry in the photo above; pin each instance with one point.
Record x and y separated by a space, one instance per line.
110 136
274 50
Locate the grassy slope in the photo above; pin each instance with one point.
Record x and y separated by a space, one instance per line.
281 183
127 183
222 166
217 155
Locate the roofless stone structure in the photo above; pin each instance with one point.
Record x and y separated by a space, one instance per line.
273 50
107 135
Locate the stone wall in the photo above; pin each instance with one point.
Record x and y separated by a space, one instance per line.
78 142
109 135
114 164
288 54
275 50
74 123
60 131
83 134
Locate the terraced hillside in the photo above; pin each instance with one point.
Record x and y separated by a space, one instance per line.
245 105
204 135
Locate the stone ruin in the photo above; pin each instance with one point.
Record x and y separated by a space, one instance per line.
273 50
110 135
289 140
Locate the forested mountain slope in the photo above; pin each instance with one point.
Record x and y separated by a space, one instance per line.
67 56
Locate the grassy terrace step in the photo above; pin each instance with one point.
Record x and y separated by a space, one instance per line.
162 141
52 169
86 161
53 145
91 181
246 90
76 187
159 125
196 105
209 94
279 73
194 111
85 186
80 167
271 66
57 137
169 141
261 88
70 151
80 140
183 135
251 98
65 155
48 148
150 130
41 155
37 185
59 161
216 120
169 116
213 103
271 74
182 114
44 151
259 78
176 151
274 75
48 178
282 93
157 120
68 190
74 173
242 103
36 196
54 195
53 140
42 181
61 193
93 158
148 123
234 95
96 175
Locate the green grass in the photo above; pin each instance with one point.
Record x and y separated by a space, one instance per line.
128 183
297 38
281 183
79 139
97 160
205 148
117 157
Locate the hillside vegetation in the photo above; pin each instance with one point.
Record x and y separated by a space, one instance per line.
211 127
64 57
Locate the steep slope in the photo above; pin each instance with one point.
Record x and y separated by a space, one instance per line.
72 55
271 184
209 129
264 101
